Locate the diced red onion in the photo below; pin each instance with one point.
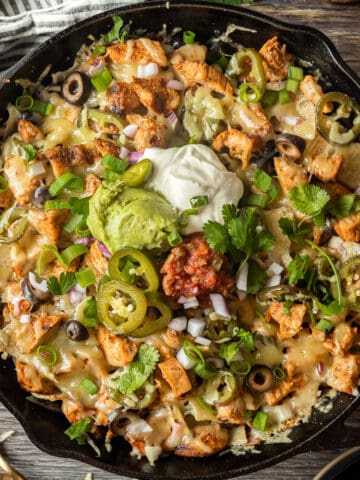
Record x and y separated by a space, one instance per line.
357 191
275 268
130 130
241 295
218 362
104 250
124 152
202 341
25 318
184 360
149 70
83 240
241 277
36 168
273 281
196 326
134 157
173 120
219 304
175 85
178 323
77 294
320 368
41 286
291 120
138 426
192 304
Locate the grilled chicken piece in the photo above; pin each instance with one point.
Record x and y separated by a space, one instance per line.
30 379
63 158
275 60
240 145
193 73
140 51
96 260
176 376
155 96
21 183
325 168
47 223
341 338
92 183
30 335
106 147
311 89
193 52
290 174
151 132
118 351
205 440
348 228
344 372
290 325
6 199
233 412
29 132
122 98
273 397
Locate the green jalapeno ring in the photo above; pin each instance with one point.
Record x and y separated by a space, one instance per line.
144 270
220 389
14 222
328 125
347 272
152 325
140 399
238 65
125 319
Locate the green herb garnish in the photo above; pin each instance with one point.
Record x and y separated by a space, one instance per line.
62 284
77 431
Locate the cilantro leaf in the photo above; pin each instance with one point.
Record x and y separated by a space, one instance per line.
60 285
256 278
332 308
264 182
255 200
139 370
30 153
242 230
343 206
309 199
77 431
291 229
247 339
217 236
229 350
298 268
263 242
114 33
228 212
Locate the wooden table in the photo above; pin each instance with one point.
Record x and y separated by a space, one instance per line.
341 24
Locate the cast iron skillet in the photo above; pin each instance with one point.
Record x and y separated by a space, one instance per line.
45 428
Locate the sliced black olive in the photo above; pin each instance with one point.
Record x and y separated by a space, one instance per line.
76 88
177 40
260 379
76 331
40 195
32 294
290 145
265 160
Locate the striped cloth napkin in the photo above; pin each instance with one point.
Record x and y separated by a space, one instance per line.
27 23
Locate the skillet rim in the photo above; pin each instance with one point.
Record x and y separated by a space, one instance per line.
335 422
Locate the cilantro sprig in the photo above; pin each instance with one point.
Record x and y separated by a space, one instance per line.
298 268
62 284
229 350
117 33
78 431
311 200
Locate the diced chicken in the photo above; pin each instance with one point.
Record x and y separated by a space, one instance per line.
92 183
176 376
62 158
240 145
151 132
344 372
341 338
14 297
96 260
193 52
275 60
31 380
140 51
47 223
31 334
290 325
205 440
6 198
325 168
233 412
334 189
29 132
155 96
172 338
193 73
106 147
74 411
21 183
122 98
348 228
290 174
118 351
311 89
273 397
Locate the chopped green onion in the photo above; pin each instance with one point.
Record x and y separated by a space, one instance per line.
205 370
3 184
56 205
82 229
110 176
240 367
47 355
73 222
222 61
325 325
189 211
66 180
249 415
30 153
65 258
77 431
174 238
188 37
98 50
115 164
260 421
249 93
311 313
28 103
284 97
193 352
295 73
192 140
89 386
256 200
199 201
90 313
85 277
205 405
270 98
292 85
102 80
279 373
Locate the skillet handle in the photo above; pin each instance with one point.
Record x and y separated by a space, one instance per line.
337 436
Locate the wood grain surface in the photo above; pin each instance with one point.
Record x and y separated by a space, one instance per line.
342 25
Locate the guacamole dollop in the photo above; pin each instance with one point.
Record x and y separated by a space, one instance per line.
121 216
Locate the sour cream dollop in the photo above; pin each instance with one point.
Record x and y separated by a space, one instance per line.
185 172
